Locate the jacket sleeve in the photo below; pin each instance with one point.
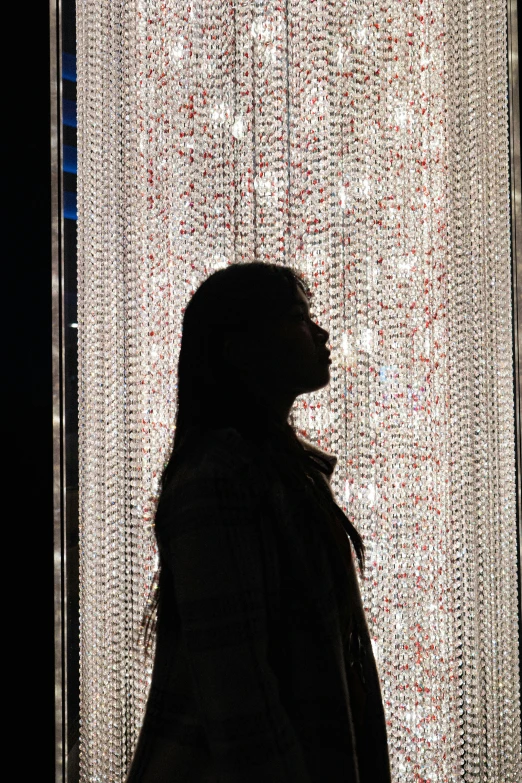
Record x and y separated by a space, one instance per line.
212 543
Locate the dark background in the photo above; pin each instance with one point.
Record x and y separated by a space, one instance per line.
27 518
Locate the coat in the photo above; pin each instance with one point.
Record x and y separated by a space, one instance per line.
250 681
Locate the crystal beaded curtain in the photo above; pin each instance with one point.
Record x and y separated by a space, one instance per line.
366 144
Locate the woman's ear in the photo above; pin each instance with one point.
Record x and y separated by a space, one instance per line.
244 351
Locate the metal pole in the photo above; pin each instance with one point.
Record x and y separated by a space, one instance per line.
58 390
516 255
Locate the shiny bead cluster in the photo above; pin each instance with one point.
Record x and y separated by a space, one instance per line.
365 144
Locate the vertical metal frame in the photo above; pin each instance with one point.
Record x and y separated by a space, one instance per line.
516 256
59 495
58 391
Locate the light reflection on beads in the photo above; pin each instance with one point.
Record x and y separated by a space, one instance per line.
365 144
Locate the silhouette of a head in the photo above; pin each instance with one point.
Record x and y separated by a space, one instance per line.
247 338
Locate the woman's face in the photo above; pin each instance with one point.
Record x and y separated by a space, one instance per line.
300 355
290 356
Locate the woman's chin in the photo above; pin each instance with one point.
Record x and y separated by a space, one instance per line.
324 377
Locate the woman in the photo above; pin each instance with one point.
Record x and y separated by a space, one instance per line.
263 669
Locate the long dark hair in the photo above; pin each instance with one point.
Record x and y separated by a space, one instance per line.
239 301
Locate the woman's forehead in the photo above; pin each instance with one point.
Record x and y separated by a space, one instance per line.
301 297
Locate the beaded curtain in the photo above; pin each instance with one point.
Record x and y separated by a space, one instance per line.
365 144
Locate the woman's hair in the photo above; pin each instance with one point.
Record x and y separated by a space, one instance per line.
240 301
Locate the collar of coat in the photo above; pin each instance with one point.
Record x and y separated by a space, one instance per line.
330 458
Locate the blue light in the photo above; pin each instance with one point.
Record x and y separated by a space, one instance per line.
68 67
70 158
69 113
69 205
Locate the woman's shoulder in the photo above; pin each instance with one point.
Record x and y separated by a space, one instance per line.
217 452
225 447
216 466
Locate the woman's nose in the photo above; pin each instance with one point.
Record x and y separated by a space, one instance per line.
323 333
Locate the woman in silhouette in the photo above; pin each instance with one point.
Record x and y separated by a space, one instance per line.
263 668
